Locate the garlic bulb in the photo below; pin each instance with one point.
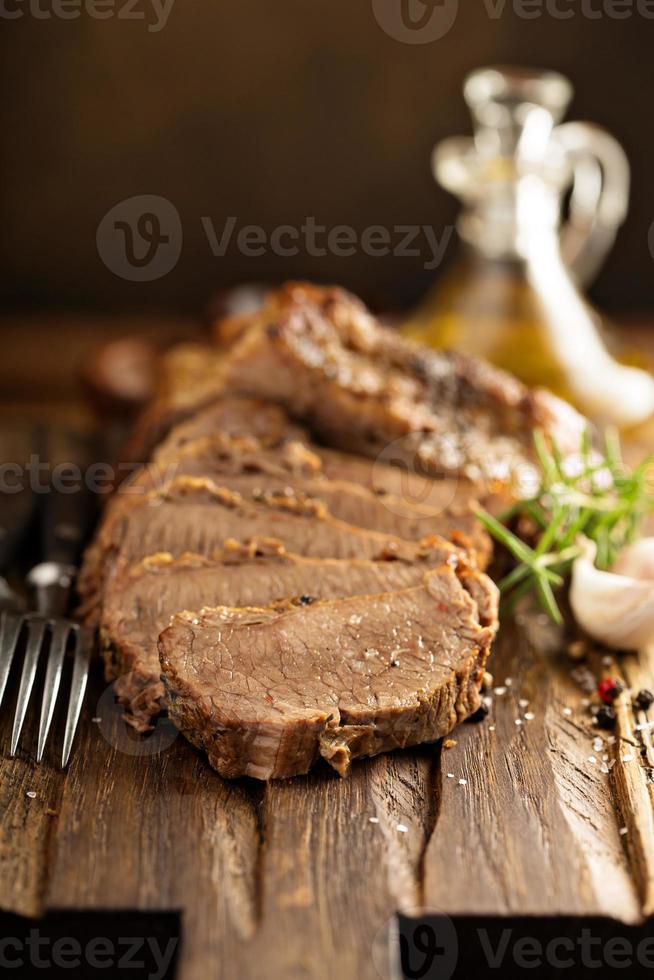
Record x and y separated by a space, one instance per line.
616 607
636 560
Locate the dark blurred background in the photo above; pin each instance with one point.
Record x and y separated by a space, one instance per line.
271 112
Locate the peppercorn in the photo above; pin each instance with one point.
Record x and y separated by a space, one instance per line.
479 714
306 600
605 717
608 689
644 699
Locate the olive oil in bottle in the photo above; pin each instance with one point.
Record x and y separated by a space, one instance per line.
514 293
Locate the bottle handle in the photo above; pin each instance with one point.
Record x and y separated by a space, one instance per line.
598 199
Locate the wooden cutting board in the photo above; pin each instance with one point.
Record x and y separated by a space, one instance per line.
300 878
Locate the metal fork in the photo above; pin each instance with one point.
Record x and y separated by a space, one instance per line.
64 523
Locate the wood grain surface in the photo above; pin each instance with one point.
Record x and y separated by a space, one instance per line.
527 814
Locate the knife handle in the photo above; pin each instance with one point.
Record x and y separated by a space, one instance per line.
16 514
17 498
67 505
67 509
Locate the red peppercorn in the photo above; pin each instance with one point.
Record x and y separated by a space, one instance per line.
608 689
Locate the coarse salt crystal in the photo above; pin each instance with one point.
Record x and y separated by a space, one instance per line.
96 721
623 831
450 775
31 794
402 828
508 681
499 691
491 728
628 757
591 758
598 744
373 819
523 703
567 712
529 715
463 782
518 721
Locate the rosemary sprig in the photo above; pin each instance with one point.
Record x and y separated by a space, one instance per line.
589 494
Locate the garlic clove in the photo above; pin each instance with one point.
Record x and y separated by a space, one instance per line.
636 560
615 609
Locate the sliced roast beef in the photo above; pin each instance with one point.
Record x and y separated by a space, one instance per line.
363 388
195 514
139 603
388 475
232 416
258 472
267 691
181 397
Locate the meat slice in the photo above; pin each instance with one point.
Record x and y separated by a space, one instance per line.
259 472
233 417
388 475
267 691
141 601
363 388
197 515
181 397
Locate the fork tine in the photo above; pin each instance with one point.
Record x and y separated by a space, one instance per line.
35 633
77 689
10 627
60 634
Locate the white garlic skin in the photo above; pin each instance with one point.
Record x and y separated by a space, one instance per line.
636 560
617 607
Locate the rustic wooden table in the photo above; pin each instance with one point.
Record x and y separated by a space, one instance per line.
300 878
